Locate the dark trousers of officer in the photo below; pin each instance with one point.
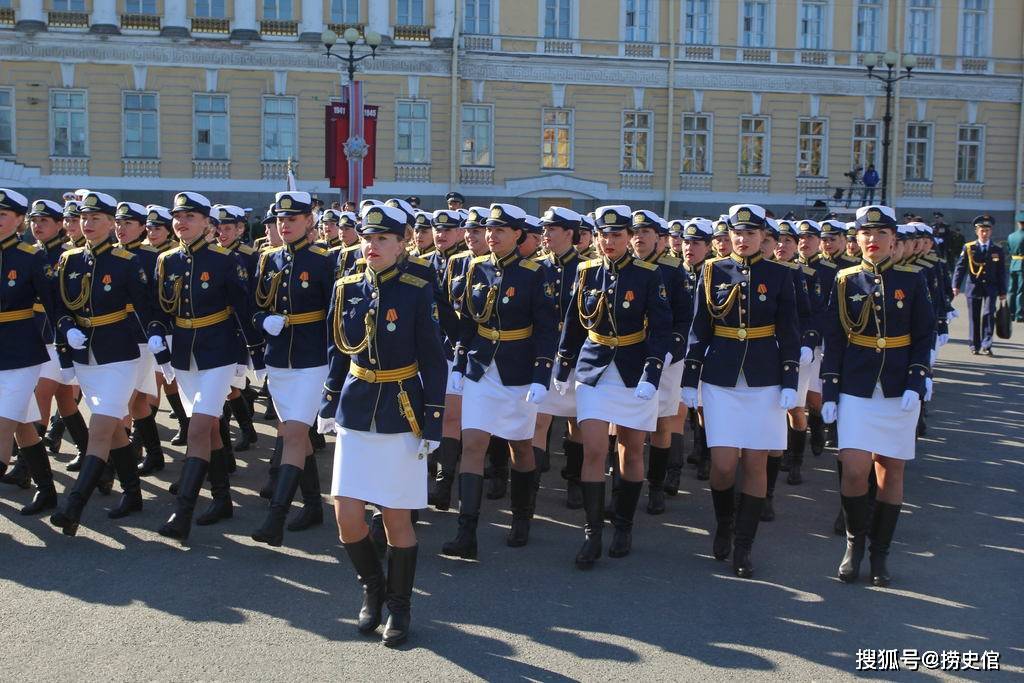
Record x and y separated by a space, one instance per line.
982 321
1016 295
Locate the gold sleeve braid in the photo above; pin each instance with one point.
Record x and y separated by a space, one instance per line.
167 304
849 326
590 320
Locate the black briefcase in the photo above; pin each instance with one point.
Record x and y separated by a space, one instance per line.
1004 328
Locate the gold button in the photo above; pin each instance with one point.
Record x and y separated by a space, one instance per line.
877 294
922 372
437 413
880 342
878 308
741 333
658 365
373 361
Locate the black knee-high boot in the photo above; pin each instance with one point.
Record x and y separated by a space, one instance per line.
768 509
625 510
704 461
883 526
571 474
401 578
657 462
524 499
181 437
692 416
447 465
68 517
312 512
220 506
179 524
272 530
38 463
748 514
54 435
497 455
674 466
858 518
817 429
609 510
150 437
131 487
471 487
542 463
267 490
798 444
370 574
316 439
75 424
246 431
225 440
19 474
593 505
839 526
724 502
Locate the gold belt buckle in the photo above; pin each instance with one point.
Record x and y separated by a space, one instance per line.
741 333
880 342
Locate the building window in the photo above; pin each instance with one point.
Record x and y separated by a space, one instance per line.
557 18
753 145
969 154
69 124
814 24
920 26
556 138
696 143
412 142
68 5
918 162
6 122
280 10
698 22
636 137
865 144
410 13
811 145
140 6
477 17
279 130
210 9
477 135
211 125
869 25
638 21
974 28
755 23
141 127
344 11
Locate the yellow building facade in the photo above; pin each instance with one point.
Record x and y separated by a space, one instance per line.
682 106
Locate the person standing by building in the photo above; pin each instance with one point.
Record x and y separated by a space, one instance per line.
870 180
980 273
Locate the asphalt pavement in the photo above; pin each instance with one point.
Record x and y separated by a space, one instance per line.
118 602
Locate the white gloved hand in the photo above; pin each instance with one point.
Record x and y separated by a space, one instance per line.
325 425
66 375
911 399
451 388
536 393
456 381
273 324
560 387
942 340
954 314
168 372
806 355
932 355
690 397
668 359
260 375
156 344
76 339
929 385
427 447
645 391
829 412
240 369
787 399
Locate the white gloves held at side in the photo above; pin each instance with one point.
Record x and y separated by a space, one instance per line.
536 393
787 399
806 355
911 399
325 425
156 344
645 391
829 412
456 382
273 324
76 339
690 397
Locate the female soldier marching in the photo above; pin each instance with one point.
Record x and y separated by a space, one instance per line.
878 337
385 388
744 350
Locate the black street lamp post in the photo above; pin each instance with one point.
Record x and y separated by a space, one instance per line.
889 60
351 36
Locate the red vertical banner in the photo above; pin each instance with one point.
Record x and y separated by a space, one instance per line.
370 134
336 131
348 156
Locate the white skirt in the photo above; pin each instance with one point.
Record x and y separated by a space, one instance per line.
145 377
558 405
670 389
204 391
744 417
449 389
51 369
296 392
492 407
815 386
107 389
380 468
17 394
877 425
612 401
238 381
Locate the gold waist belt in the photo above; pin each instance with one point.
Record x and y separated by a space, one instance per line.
504 335
381 376
744 333
304 318
101 320
19 314
880 342
205 321
621 340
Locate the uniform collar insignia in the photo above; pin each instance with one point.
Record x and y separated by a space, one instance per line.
198 244
568 255
134 244
381 277
624 261
507 259
876 267
452 250
56 241
101 248
298 245
745 261
9 242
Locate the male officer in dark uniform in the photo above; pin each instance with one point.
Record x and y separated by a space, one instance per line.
980 274
455 201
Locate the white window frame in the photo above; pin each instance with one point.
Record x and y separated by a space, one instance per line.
826 24
985 49
124 126
572 138
883 26
929 150
854 161
342 16
493 28
708 147
263 130
142 7
411 22
14 127
769 29
652 21
426 144
712 24
53 130
227 128
766 155
490 132
823 170
649 130
277 10
981 151
574 21
211 14
936 29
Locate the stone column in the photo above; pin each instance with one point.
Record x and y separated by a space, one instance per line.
245 26
31 17
104 17
312 24
175 20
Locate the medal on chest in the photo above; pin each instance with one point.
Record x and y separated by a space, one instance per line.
106 282
12 277
392 317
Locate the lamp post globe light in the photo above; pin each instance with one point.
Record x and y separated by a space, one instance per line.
889 61
351 37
